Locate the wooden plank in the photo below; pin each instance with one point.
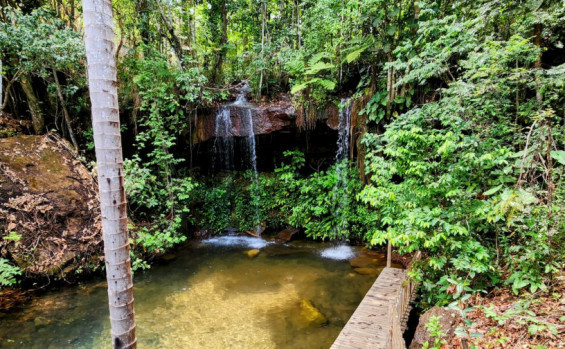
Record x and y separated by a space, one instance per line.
370 324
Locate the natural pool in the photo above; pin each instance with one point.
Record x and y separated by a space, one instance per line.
212 295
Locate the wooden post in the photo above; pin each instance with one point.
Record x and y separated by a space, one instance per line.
388 255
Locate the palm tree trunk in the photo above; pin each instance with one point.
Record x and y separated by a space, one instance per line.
99 41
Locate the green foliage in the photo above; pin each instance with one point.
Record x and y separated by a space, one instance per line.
434 328
8 273
328 211
522 315
36 42
285 198
13 236
157 191
463 177
213 204
311 77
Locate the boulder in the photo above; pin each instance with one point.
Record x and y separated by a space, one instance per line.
49 210
310 315
285 235
252 253
448 320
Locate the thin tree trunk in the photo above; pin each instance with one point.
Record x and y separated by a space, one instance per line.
65 112
263 23
538 42
223 41
1 81
172 38
37 120
72 15
99 41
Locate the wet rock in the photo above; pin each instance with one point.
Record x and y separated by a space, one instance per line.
448 320
41 321
311 315
203 234
48 207
267 118
332 113
252 253
285 235
168 257
280 250
366 261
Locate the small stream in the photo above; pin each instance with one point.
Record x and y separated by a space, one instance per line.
212 295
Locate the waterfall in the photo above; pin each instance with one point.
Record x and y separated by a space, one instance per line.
341 251
223 143
247 124
344 128
341 164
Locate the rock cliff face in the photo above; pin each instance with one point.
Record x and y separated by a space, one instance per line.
267 118
49 211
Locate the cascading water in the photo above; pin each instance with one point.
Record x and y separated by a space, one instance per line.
341 251
247 124
341 165
224 143
344 128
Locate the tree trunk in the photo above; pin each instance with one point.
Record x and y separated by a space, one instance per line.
223 41
37 119
263 23
538 42
172 38
1 81
72 15
65 112
142 9
99 41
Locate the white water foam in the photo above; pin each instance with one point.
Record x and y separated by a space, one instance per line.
236 241
338 253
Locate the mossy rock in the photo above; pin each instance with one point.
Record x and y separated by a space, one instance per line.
49 199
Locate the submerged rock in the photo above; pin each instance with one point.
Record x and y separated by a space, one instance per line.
252 253
366 261
367 271
49 210
310 315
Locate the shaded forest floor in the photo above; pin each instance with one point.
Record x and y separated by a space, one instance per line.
503 320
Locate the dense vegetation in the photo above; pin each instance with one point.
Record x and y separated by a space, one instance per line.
459 106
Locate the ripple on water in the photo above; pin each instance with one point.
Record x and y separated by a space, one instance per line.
236 241
338 253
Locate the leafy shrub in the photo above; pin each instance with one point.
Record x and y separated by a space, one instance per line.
8 273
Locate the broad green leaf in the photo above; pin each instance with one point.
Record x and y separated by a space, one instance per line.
352 56
559 156
492 190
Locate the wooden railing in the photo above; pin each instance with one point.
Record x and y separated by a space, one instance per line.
399 309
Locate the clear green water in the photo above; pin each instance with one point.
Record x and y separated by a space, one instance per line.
210 296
